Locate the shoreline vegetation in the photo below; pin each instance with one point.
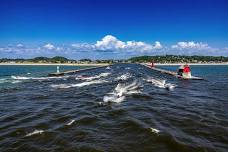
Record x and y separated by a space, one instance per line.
158 60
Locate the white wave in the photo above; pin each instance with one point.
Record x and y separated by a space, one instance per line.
28 73
65 86
114 98
161 83
127 68
37 78
35 132
92 77
156 131
108 68
120 92
20 78
16 81
4 80
124 77
70 123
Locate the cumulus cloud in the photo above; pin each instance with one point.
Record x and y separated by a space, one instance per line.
20 45
190 45
110 42
49 46
111 47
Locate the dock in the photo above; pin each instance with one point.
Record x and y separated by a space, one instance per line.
75 71
172 73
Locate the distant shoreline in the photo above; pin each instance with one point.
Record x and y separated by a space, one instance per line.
106 64
58 64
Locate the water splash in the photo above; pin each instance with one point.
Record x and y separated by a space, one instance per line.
121 91
124 76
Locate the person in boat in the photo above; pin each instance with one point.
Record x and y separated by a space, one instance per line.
184 71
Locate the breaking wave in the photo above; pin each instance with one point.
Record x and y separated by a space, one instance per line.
124 76
65 86
161 83
89 78
36 78
121 91
34 133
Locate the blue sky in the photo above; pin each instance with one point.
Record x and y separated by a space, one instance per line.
112 28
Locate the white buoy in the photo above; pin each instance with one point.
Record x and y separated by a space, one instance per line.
57 69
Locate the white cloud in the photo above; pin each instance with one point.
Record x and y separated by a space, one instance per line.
191 45
20 45
111 47
110 42
49 46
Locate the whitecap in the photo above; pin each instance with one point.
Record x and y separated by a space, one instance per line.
70 123
114 98
121 91
161 83
153 130
4 80
36 78
35 132
108 68
64 86
124 77
16 81
87 78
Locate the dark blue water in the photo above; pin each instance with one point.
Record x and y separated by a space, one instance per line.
126 107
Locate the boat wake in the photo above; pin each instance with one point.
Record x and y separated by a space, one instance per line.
121 91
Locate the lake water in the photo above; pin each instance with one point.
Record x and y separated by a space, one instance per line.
122 108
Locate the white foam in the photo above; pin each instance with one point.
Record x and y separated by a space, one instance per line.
124 77
108 68
156 131
92 77
120 92
114 98
3 80
161 83
64 86
35 132
16 81
70 123
36 78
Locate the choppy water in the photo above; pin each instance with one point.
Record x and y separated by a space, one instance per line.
123 108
